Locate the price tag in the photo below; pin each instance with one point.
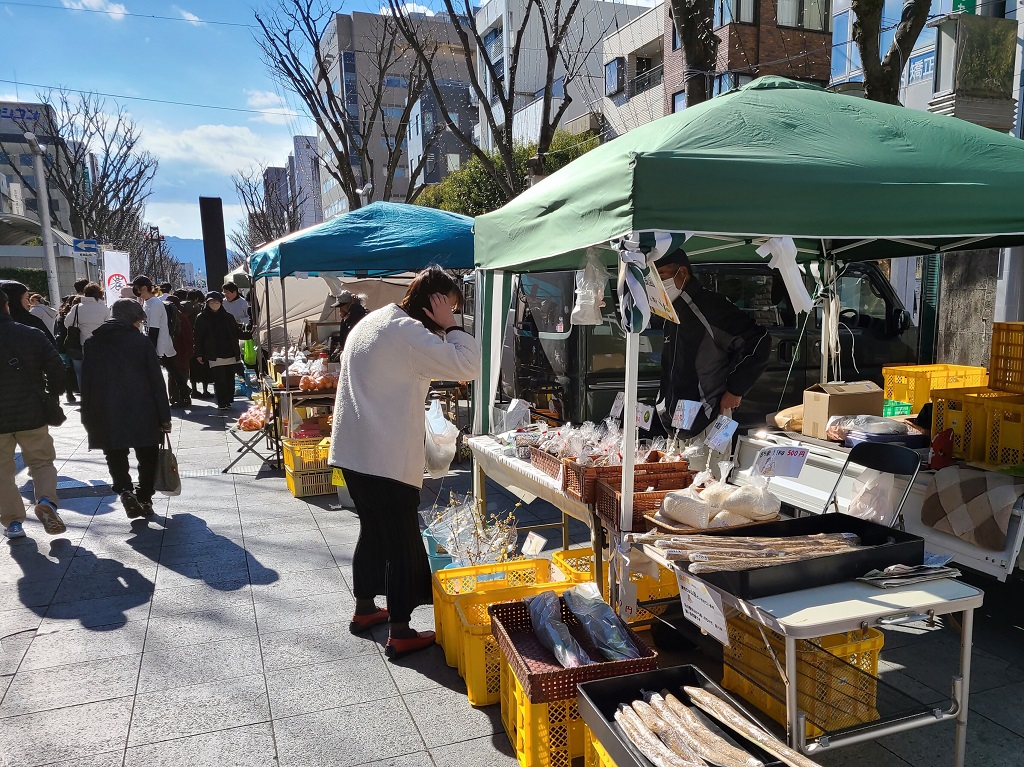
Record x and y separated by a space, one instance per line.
533 545
627 599
780 461
337 478
618 404
685 414
719 438
703 607
644 416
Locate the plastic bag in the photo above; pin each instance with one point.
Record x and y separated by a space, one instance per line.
753 501
600 622
546 614
590 285
728 519
249 353
469 540
440 442
688 508
838 426
872 497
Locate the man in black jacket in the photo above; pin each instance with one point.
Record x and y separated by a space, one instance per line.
30 370
715 354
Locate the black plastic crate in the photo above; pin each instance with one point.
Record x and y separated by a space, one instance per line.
881 547
599 700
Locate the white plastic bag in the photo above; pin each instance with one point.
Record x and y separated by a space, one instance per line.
590 284
688 508
441 441
872 497
753 501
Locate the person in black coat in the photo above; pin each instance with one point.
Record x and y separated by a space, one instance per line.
18 305
217 335
124 403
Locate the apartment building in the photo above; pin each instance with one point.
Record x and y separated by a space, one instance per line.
304 186
15 119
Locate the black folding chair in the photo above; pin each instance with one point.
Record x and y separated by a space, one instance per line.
886 457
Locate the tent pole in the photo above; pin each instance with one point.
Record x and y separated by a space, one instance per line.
266 309
827 275
629 429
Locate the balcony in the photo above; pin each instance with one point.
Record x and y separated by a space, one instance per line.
649 79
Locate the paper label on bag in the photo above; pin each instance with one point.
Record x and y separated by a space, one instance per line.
618 404
703 607
644 416
780 461
337 478
627 600
719 438
685 414
533 545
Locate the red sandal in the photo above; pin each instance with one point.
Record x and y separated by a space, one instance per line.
400 646
361 623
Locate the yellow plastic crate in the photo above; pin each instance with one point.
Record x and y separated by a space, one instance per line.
914 383
306 483
542 734
450 583
1004 434
305 454
479 656
966 412
829 691
594 754
1007 358
578 566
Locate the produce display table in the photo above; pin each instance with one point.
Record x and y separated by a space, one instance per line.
855 606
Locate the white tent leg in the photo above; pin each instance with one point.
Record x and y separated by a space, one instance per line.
827 276
629 429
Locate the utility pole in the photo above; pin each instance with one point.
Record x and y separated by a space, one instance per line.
43 209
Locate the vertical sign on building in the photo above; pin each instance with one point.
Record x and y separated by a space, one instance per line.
115 274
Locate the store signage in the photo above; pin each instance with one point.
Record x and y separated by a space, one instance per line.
703 607
685 414
658 298
618 404
115 274
719 438
644 416
780 461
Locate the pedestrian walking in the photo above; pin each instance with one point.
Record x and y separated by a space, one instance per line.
82 321
18 305
124 403
31 376
378 441
41 308
192 306
161 335
234 304
60 335
184 344
216 347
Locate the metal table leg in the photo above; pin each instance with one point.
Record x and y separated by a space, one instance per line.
966 642
565 531
792 705
480 489
597 544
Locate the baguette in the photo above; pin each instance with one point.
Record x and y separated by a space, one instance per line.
709 745
647 741
670 735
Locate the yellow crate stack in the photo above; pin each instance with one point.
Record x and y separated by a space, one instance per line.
914 383
594 754
966 412
578 566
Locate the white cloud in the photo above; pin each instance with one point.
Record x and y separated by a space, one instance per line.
275 110
181 219
385 10
221 149
190 17
116 11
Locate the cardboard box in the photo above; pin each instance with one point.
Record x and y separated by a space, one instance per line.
822 401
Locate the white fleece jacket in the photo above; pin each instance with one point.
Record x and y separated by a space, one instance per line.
386 369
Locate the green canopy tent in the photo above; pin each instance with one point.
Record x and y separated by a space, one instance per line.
845 178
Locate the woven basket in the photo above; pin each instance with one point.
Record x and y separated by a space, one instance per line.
580 482
608 499
677 528
542 677
549 464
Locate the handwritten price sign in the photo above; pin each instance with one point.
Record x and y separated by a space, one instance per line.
780 461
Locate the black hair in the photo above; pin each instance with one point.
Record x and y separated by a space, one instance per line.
80 285
93 290
230 286
431 280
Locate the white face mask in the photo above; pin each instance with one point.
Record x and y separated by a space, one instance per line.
672 291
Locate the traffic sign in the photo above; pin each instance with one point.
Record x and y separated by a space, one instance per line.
82 247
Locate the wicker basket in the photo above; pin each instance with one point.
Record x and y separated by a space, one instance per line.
608 501
580 482
542 677
549 464
678 528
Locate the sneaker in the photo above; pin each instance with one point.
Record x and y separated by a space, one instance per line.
15 530
71 400
223 407
132 507
147 508
52 523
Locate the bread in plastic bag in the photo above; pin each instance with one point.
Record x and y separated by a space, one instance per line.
688 508
546 615
600 622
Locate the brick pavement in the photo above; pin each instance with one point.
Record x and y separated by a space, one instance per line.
216 634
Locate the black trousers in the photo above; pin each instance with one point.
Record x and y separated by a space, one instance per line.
120 472
177 383
389 557
223 383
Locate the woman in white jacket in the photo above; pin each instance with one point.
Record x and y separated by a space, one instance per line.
87 315
390 358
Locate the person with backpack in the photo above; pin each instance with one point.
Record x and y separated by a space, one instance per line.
184 340
161 324
60 335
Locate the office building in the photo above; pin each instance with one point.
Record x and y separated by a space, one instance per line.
15 119
304 181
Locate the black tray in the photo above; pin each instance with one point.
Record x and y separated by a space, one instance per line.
599 700
881 546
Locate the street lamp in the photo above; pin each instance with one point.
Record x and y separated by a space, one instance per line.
43 209
365 192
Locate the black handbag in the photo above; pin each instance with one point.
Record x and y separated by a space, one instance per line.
52 410
73 339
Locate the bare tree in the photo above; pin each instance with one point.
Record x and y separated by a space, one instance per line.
290 39
150 255
694 23
882 75
98 166
270 213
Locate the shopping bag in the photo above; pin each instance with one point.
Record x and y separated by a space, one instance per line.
168 481
249 353
440 442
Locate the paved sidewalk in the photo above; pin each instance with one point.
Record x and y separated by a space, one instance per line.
216 634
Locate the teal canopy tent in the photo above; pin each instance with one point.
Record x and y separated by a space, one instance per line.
380 239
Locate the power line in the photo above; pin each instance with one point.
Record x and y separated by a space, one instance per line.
135 15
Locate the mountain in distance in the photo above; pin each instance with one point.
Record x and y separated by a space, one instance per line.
190 251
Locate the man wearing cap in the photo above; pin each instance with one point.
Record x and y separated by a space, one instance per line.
350 310
715 354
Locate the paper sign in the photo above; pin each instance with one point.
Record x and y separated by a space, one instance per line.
517 415
644 416
658 298
703 607
719 438
780 461
337 479
618 404
685 414
627 599
533 545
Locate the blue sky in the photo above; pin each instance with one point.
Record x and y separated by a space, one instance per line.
184 60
